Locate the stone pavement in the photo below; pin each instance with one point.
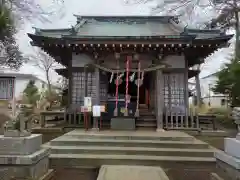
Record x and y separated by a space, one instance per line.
131 173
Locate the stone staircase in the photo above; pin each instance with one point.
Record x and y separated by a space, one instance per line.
93 149
146 120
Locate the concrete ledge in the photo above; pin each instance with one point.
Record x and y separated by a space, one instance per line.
47 130
232 147
24 159
35 171
20 145
228 171
130 135
232 161
131 173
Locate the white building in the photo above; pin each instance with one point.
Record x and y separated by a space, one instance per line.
13 85
209 97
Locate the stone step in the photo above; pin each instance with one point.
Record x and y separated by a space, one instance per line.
146 124
145 128
128 135
128 143
131 151
96 160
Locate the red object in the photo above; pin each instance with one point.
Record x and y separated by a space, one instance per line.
116 95
127 74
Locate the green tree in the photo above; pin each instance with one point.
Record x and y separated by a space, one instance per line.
31 93
10 54
228 82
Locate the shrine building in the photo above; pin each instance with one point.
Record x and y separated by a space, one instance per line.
136 66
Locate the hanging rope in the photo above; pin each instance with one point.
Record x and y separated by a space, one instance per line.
161 66
116 95
138 84
111 78
127 74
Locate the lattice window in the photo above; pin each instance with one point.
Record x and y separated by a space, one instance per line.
91 86
103 87
78 83
6 88
174 92
78 87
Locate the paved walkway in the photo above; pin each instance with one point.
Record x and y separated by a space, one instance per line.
131 173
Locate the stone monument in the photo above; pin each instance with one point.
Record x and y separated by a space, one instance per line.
21 155
229 159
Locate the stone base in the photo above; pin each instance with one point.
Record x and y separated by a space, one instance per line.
20 145
232 147
137 113
160 130
228 164
16 133
230 173
131 173
123 123
115 112
23 169
95 129
227 159
238 136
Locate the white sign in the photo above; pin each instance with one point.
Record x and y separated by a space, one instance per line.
96 111
87 101
86 109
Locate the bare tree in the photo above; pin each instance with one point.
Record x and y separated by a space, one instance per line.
44 62
31 9
225 13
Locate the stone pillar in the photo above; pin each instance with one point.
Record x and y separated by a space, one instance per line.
23 158
97 100
198 90
159 99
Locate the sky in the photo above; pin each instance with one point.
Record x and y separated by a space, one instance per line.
64 18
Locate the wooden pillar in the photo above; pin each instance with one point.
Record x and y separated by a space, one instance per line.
97 91
186 94
198 90
159 98
70 78
85 81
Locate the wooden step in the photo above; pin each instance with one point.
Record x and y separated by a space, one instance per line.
145 119
146 125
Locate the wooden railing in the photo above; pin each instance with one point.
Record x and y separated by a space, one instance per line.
179 120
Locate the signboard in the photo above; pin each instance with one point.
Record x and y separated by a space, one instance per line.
96 111
102 108
86 109
87 101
